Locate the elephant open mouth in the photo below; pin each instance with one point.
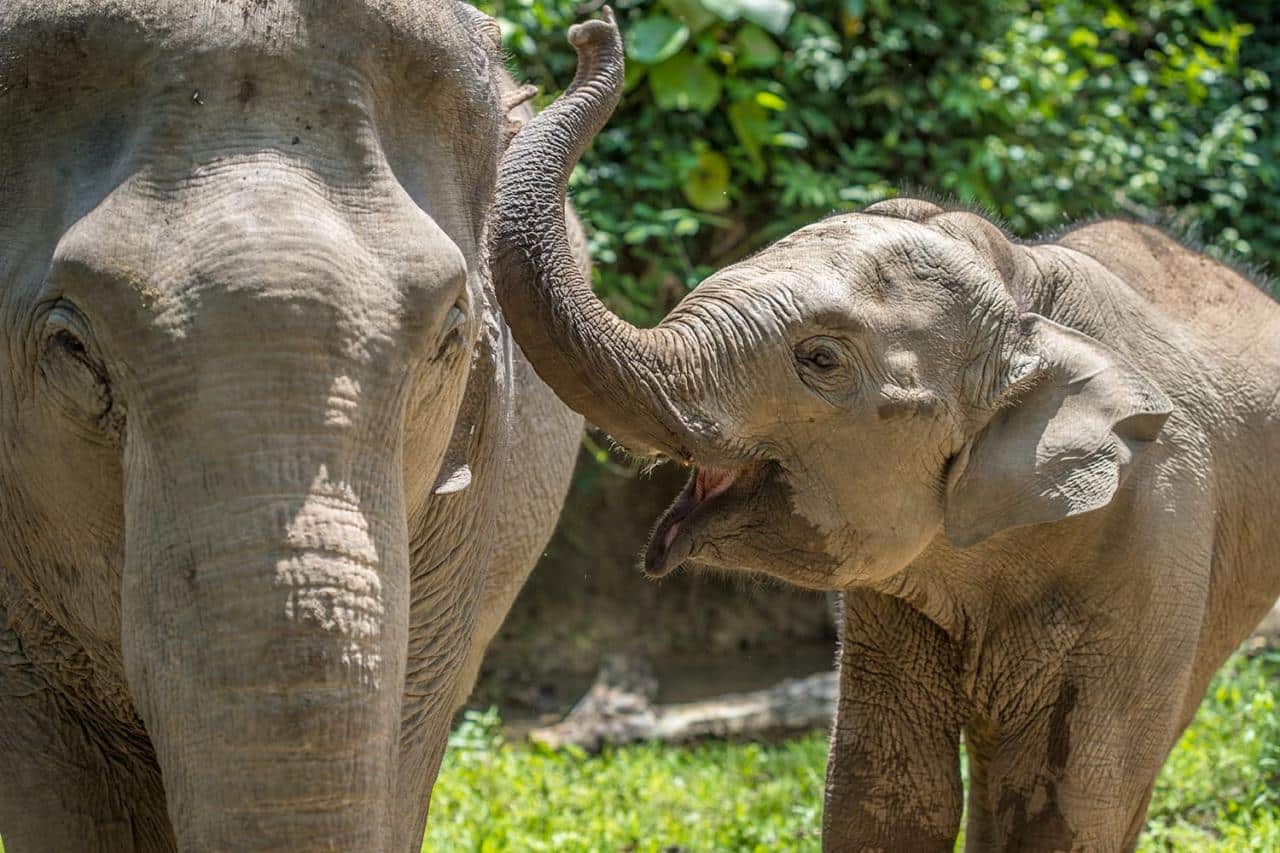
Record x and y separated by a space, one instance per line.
671 542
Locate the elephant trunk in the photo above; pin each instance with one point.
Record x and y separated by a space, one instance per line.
634 383
266 610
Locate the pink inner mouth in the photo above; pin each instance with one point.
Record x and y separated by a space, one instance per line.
708 482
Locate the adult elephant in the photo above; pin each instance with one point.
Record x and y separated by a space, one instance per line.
272 469
1044 475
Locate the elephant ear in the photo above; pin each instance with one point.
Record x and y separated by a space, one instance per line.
1080 414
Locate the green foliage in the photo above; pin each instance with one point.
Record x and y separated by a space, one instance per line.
646 798
1041 112
1220 789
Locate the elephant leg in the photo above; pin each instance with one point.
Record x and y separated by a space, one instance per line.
1076 773
67 784
893 780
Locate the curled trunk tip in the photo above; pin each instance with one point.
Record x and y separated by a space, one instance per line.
618 376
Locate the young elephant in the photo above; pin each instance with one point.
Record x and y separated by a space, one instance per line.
1043 475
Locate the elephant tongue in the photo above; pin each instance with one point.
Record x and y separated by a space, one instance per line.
705 484
713 481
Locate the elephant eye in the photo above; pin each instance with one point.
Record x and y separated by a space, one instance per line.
68 342
826 366
822 358
820 354
68 365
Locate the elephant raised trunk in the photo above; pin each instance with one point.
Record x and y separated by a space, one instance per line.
266 610
634 383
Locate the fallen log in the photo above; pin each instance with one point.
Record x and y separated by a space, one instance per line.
620 708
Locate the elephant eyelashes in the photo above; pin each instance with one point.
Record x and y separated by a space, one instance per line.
69 368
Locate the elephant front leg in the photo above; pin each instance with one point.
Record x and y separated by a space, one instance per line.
893 779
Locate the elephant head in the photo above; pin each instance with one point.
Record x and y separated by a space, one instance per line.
849 395
241 249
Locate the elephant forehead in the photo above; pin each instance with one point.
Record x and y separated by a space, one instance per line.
279 262
350 27
873 256
91 93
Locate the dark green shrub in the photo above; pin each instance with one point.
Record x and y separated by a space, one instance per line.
744 119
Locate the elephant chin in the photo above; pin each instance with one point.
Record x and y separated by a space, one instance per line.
673 539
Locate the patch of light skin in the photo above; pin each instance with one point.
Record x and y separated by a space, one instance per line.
332 578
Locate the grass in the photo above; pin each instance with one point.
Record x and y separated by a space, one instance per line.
1220 789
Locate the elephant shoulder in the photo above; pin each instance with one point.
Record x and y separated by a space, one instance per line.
1184 283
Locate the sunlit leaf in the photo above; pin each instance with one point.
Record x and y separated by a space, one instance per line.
655 39
770 101
773 15
707 184
789 140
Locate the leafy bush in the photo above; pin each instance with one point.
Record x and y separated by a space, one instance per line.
744 119
1220 789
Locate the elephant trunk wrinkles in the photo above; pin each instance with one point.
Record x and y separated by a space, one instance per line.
635 383
266 597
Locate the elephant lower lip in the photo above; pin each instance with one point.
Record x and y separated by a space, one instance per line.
667 548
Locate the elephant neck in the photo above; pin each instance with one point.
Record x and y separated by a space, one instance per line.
1018 574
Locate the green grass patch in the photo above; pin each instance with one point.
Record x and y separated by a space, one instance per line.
1220 789
494 796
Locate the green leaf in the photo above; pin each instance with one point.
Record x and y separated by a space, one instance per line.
750 124
686 226
685 82
789 140
773 15
691 13
707 184
1081 37
770 101
752 48
656 39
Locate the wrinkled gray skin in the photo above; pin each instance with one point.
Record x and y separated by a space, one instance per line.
1044 477
251 356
